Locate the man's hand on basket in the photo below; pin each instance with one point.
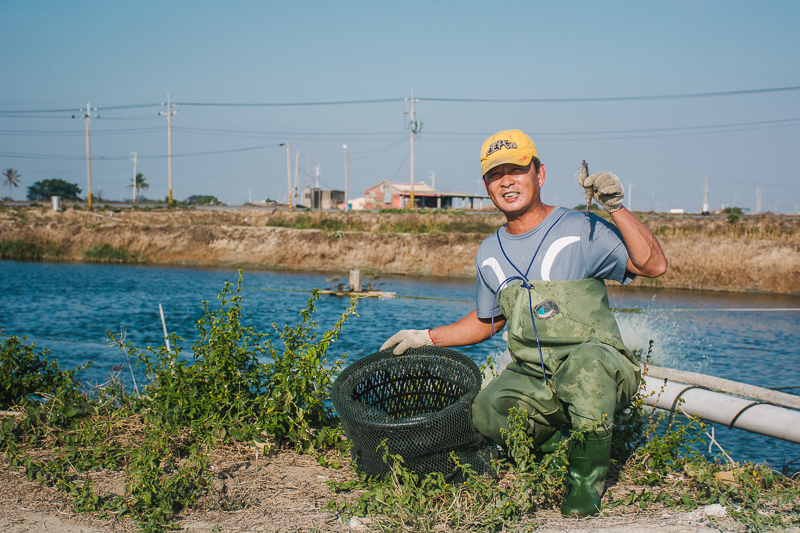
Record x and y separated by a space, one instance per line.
408 338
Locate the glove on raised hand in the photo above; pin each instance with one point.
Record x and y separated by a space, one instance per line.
607 189
408 338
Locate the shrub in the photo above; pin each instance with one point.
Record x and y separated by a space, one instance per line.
108 253
27 375
19 249
160 438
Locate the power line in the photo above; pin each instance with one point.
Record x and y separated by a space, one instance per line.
282 134
77 132
678 96
511 100
648 130
120 158
290 104
613 98
72 109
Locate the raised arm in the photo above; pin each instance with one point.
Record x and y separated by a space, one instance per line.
467 331
645 257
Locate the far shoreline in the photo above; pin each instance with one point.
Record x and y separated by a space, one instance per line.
753 254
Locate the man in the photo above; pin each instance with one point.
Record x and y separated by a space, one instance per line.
570 367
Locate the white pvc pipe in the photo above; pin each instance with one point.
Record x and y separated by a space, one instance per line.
721 408
725 385
164 325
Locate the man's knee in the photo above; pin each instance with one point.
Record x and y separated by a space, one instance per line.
486 418
592 381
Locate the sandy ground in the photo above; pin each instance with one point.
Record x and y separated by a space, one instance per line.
285 493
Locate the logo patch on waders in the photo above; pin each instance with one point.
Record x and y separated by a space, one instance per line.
547 309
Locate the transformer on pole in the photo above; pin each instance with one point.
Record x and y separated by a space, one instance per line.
416 127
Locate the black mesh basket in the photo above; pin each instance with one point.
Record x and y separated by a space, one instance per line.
420 403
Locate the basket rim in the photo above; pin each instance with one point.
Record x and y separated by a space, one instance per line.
342 399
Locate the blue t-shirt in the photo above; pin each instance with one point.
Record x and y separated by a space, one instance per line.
575 247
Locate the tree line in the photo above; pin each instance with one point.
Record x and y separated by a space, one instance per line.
44 189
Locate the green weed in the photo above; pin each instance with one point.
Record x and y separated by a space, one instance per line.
23 250
160 438
19 249
108 254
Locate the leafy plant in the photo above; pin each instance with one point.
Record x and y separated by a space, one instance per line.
160 438
26 375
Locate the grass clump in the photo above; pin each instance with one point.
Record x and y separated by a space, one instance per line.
19 249
224 392
23 250
105 253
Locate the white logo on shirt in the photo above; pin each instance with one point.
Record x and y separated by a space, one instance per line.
552 252
495 266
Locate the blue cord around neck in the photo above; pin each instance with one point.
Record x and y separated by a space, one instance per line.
524 284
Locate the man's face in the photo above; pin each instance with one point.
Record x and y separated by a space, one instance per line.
515 189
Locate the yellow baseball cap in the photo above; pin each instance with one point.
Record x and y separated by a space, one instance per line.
508 146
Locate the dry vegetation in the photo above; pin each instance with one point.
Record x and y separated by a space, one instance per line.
754 253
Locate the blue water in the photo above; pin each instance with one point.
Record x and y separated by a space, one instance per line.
67 308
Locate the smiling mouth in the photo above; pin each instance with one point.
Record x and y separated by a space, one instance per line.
510 195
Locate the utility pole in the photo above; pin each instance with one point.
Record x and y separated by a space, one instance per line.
705 197
346 199
296 172
432 176
416 127
169 112
308 171
134 176
87 114
317 169
758 200
288 174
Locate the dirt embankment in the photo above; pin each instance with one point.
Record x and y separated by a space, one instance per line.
751 254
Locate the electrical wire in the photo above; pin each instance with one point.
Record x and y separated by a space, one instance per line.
612 98
121 158
79 132
679 96
290 104
73 110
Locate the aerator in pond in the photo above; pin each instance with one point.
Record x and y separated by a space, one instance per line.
420 404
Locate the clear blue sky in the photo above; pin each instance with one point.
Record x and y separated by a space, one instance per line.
57 55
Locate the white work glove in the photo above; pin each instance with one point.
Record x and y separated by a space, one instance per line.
408 338
607 189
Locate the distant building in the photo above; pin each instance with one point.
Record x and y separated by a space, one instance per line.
390 194
357 204
319 199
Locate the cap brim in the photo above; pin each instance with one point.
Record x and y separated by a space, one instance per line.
511 158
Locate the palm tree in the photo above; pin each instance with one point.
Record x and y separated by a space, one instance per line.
12 178
141 184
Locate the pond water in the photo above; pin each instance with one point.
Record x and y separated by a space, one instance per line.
67 308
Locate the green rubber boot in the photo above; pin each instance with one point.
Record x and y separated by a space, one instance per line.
588 463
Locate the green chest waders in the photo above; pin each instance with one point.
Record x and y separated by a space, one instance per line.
583 374
570 368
